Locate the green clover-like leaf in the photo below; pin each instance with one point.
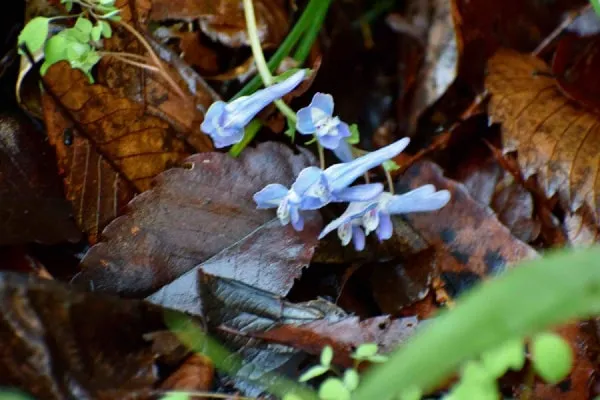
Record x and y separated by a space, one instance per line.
313 372
291 396
511 355
55 50
552 357
333 389
354 135
106 29
326 356
364 351
175 396
34 34
351 379
96 33
84 25
390 165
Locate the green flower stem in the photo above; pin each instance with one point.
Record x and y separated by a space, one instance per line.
249 135
321 155
286 46
259 57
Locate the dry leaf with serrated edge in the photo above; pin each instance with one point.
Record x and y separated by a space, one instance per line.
554 138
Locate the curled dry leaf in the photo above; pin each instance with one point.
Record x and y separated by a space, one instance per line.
196 373
223 20
555 139
59 344
32 204
194 213
469 240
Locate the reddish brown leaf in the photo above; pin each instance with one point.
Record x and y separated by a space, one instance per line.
483 26
344 335
223 20
469 241
58 344
196 373
554 138
32 204
196 212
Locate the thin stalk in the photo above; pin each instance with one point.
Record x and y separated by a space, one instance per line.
124 55
285 47
125 60
153 56
255 45
321 155
390 181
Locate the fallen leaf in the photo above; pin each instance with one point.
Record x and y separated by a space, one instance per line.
574 65
344 335
554 138
32 204
194 213
196 373
223 20
469 240
483 27
59 343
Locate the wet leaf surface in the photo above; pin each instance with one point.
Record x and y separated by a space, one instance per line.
59 343
32 205
554 138
197 212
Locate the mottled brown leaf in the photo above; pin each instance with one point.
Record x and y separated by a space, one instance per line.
32 204
223 20
469 240
344 335
554 138
196 373
59 344
196 212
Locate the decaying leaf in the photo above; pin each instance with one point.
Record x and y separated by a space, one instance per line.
58 343
196 212
469 241
32 204
223 20
555 139
196 373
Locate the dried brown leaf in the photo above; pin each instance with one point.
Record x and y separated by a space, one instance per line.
554 138
194 213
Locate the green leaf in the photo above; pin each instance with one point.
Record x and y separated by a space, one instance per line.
96 33
333 389
552 357
107 2
326 356
475 383
290 72
412 393
378 358
176 396
390 165
596 5
34 34
54 51
68 4
84 25
351 379
291 130
313 372
364 351
509 355
106 29
354 135
506 307
291 396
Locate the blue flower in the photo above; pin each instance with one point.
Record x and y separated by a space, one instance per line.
348 224
315 188
318 119
225 122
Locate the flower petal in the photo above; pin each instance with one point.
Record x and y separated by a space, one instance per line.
330 142
213 116
324 102
343 151
366 192
226 137
270 196
308 177
386 227
358 238
339 176
353 212
304 123
424 198
297 220
344 130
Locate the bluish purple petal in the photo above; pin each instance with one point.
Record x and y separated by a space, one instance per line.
304 123
308 177
330 142
224 137
424 198
353 212
340 176
358 193
313 203
386 227
270 196
344 130
343 152
297 220
213 116
358 238
324 102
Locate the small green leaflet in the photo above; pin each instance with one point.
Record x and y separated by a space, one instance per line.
34 34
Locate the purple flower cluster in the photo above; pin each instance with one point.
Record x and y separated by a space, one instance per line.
369 209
